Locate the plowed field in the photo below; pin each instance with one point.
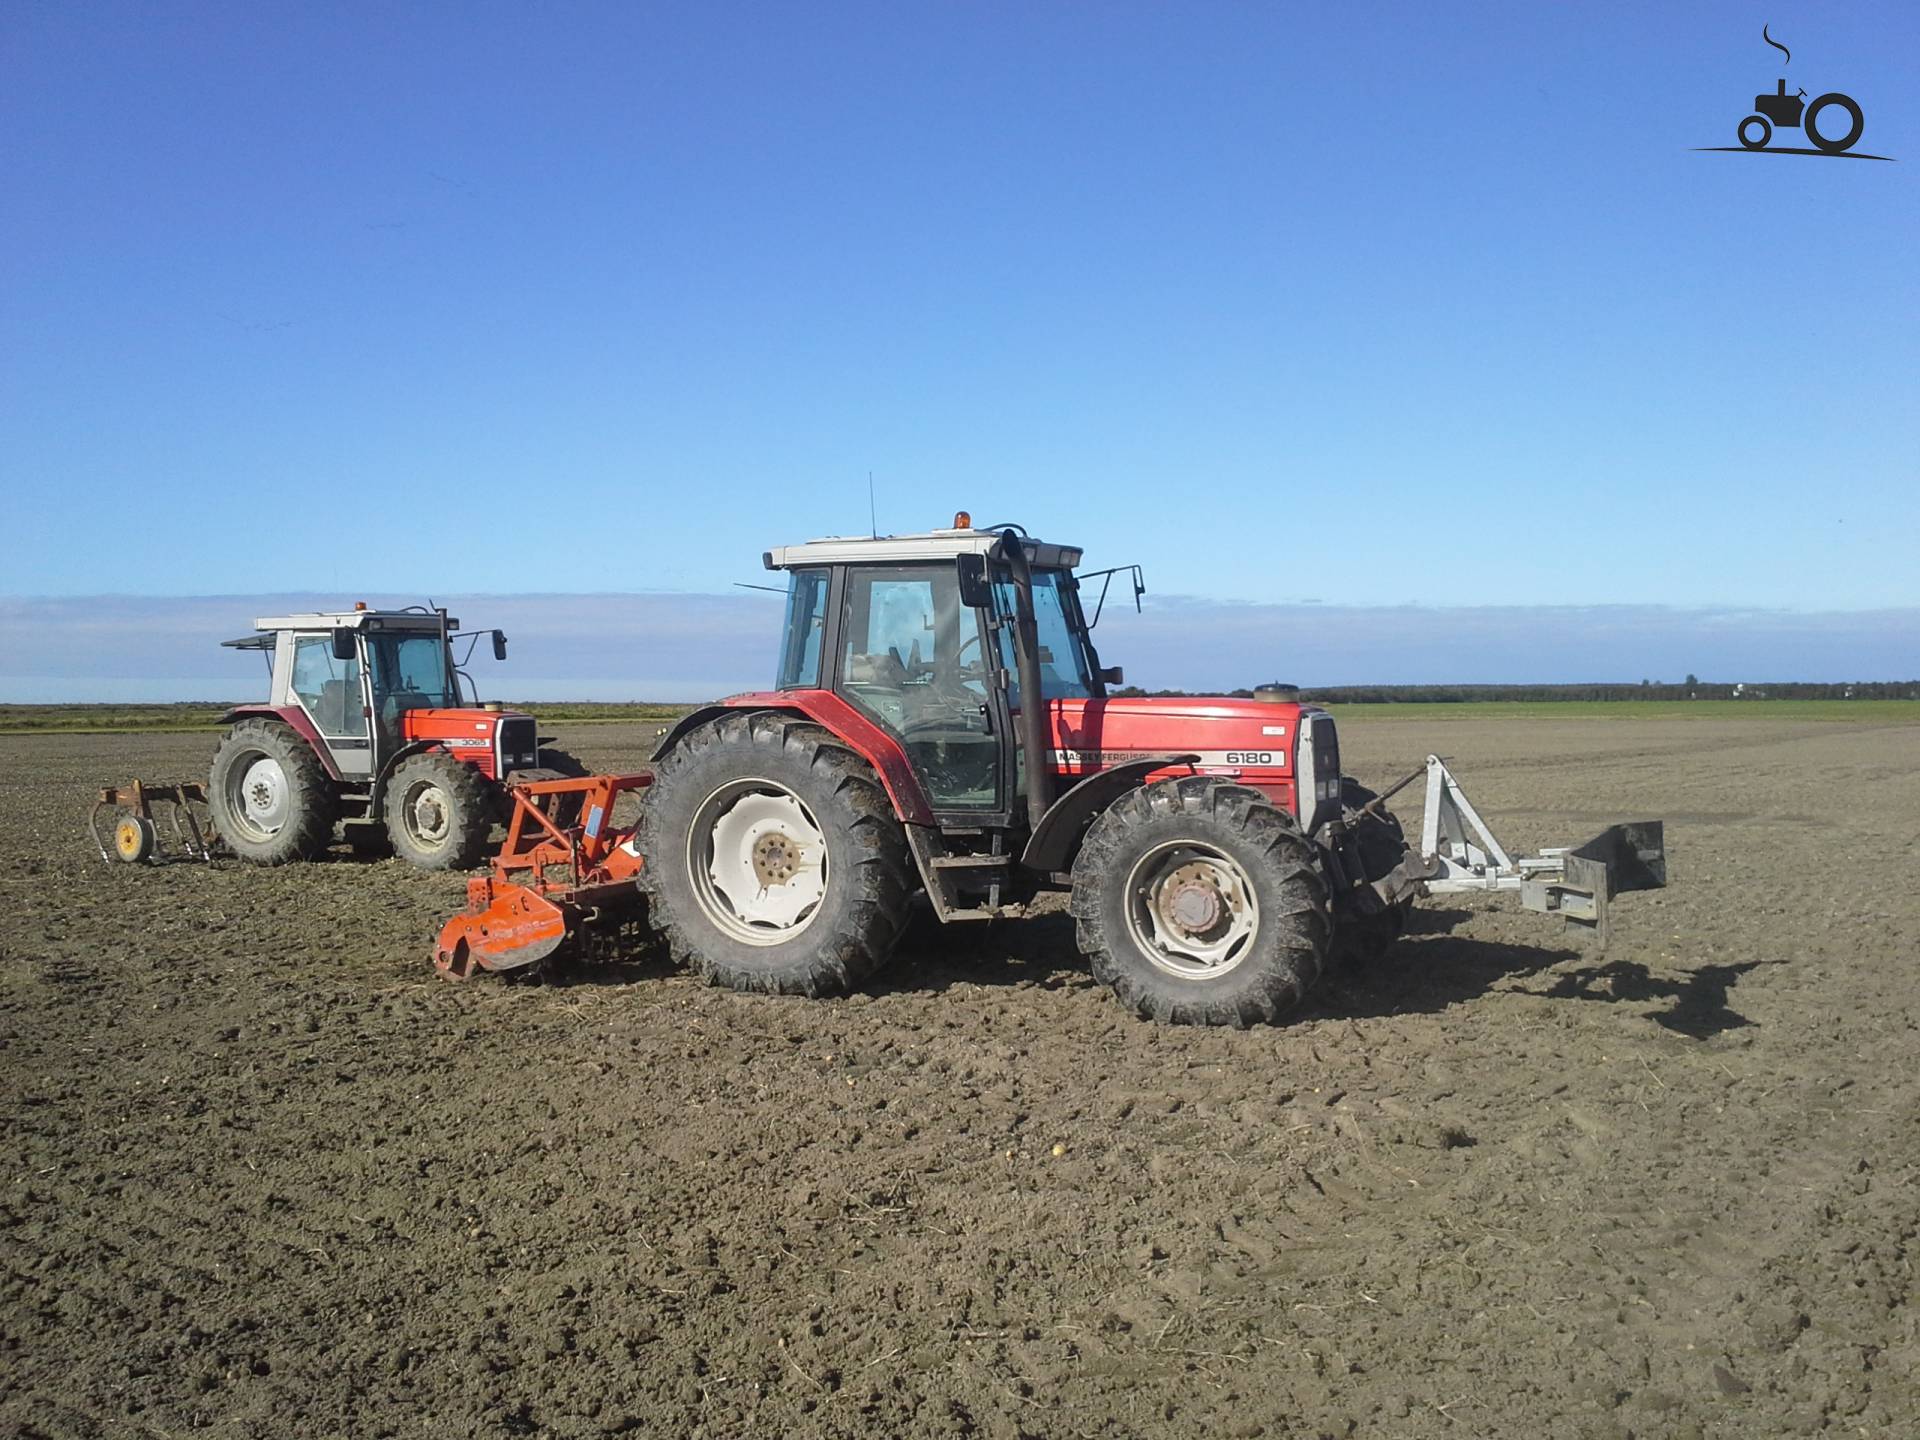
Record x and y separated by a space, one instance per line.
264 1176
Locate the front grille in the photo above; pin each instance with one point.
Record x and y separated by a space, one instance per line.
519 744
1317 770
1326 750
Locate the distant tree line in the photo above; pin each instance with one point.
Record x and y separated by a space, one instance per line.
1689 689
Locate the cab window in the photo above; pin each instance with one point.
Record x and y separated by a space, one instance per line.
911 659
806 624
328 688
410 672
1063 661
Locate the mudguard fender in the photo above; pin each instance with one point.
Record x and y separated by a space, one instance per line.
826 709
1052 843
295 719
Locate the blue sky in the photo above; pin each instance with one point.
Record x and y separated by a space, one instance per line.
1364 305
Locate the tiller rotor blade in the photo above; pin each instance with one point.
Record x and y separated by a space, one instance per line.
504 927
551 884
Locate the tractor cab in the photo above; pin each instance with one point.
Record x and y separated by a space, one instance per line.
969 656
922 635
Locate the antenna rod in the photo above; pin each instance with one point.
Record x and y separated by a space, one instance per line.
873 525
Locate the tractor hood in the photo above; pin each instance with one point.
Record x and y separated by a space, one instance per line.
494 741
1225 733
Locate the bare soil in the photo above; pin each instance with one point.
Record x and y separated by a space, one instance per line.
263 1175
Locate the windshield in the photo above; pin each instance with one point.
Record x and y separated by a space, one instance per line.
1063 661
410 672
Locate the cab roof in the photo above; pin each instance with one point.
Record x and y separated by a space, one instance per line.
267 626
907 549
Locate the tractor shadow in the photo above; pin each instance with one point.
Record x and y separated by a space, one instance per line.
1431 969
931 958
1038 950
1699 999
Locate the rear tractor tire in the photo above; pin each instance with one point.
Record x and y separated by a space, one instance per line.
1363 939
269 795
775 862
439 811
1198 902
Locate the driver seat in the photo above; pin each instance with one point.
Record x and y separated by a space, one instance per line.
884 669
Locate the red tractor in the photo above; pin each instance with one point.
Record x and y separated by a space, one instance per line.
365 722
941 727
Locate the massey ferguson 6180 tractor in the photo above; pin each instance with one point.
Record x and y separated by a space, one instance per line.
365 722
941 726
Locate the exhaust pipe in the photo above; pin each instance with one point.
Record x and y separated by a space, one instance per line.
1033 703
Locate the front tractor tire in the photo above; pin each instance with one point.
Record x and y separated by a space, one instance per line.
775 862
271 799
554 765
1198 902
439 811
560 762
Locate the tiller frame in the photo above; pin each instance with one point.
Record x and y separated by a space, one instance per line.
550 881
136 834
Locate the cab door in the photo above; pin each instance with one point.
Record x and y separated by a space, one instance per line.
334 695
919 663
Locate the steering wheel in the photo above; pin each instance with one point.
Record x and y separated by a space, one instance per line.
960 669
950 680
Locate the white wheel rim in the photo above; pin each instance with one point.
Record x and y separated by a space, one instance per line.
260 796
427 813
1191 910
758 862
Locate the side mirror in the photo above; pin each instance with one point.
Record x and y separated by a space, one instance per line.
499 644
346 645
975 592
1113 675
